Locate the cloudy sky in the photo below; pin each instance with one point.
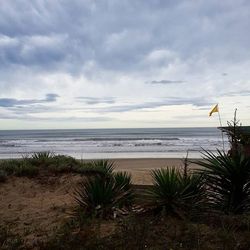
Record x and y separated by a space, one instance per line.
104 64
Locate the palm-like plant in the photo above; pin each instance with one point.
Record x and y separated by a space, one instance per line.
174 192
42 155
228 181
103 194
123 180
105 167
41 158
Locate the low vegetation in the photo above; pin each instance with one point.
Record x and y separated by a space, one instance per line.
228 181
104 193
44 163
175 193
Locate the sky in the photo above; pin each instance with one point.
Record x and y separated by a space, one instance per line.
120 64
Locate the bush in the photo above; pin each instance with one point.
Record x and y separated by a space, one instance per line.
175 194
123 180
228 181
9 166
104 167
102 194
20 167
41 158
62 164
26 169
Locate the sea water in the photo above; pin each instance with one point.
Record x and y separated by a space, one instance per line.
112 143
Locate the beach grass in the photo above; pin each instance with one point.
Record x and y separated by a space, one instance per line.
48 163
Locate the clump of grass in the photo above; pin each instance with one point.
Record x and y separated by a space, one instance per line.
26 169
49 162
10 166
19 167
62 164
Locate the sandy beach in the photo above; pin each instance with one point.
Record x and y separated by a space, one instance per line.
140 168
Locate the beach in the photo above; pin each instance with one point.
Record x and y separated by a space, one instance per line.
140 168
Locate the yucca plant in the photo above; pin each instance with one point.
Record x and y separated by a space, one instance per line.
103 167
175 193
42 155
41 158
194 187
228 181
100 196
123 180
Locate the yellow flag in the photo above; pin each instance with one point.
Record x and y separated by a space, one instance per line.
214 109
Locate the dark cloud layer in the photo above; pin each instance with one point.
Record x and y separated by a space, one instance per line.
96 100
198 102
166 82
115 35
11 102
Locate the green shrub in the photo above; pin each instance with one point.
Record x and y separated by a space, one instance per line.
26 169
175 194
9 166
87 168
105 167
42 155
18 167
123 180
62 164
228 181
41 158
100 196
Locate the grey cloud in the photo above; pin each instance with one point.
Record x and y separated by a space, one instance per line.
166 82
65 36
198 102
55 119
12 102
238 93
96 100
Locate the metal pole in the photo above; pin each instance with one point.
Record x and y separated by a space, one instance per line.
221 131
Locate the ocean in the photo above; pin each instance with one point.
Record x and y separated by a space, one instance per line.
111 143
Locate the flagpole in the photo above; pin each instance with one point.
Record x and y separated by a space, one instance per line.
221 131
